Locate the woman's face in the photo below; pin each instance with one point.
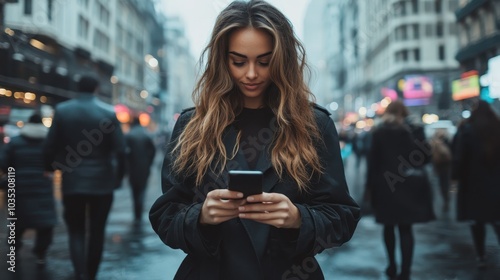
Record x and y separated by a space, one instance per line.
250 51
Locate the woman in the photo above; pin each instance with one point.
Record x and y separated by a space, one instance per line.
35 204
398 183
476 167
252 112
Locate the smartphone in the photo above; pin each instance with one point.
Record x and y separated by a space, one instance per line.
248 182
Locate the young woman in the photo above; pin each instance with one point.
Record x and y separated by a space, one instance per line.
253 113
476 167
398 183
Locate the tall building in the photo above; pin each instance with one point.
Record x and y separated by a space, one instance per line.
408 51
479 26
181 68
46 45
322 40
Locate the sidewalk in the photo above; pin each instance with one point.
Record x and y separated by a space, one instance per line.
443 248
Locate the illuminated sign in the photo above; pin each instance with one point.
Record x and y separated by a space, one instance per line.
464 88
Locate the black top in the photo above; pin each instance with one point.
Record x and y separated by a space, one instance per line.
255 126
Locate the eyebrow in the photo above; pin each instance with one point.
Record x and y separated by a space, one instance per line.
244 56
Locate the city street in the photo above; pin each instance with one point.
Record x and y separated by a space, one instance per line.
443 248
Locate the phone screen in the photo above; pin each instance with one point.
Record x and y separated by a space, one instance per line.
249 182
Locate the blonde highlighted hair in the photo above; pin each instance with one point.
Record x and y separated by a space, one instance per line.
218 100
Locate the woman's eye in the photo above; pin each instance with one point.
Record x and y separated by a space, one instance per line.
264 63
238 64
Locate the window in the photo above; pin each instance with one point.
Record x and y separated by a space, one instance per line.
416 54
441 53
416 31
414 6
101 41
404 55
83 27
453 5
437 6
404 34
428 6
428 30
453 28
49 9
28 7
489 23
439 29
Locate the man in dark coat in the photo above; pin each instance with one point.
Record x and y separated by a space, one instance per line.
35 204
140 155
86 143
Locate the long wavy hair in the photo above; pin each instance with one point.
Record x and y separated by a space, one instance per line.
218 100
487 124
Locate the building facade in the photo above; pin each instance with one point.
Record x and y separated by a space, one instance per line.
47 45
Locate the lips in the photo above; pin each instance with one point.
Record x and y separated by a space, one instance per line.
251 87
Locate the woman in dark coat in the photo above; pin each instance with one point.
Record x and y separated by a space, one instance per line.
253 113
476 167
398 183
35 204
140 155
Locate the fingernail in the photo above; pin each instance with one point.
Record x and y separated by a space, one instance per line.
250 199
239 195
242 215
241 208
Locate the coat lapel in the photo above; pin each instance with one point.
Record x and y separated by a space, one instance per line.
257 232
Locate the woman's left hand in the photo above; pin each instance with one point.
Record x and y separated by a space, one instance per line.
274 209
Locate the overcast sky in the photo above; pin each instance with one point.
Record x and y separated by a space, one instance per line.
199 17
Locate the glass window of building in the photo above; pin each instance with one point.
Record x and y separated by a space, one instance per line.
453 4
404 33
475 33
441 53
438 6
28 7
428 30
439 29
404 55
416 31
428 6
489 23
453 28
83 27
416 54
414 6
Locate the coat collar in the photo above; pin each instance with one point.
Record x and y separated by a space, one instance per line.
257 232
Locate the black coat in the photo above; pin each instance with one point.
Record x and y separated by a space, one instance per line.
140 155
34 195
478 196
397 180
86 143
242 249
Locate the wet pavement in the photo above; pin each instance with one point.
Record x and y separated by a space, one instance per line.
443 248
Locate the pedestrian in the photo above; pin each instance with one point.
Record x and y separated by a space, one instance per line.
253 112
398 183
441 162
476 168
140 155
86 143
34 195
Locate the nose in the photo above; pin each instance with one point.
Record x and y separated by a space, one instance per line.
252 72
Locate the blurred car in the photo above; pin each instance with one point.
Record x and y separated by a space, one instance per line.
447 125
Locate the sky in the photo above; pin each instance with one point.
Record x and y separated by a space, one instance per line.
199 17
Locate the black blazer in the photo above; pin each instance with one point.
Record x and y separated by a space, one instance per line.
242 249
86 143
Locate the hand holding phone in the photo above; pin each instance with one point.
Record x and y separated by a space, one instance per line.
248 182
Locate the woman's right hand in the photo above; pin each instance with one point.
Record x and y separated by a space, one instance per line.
221 205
